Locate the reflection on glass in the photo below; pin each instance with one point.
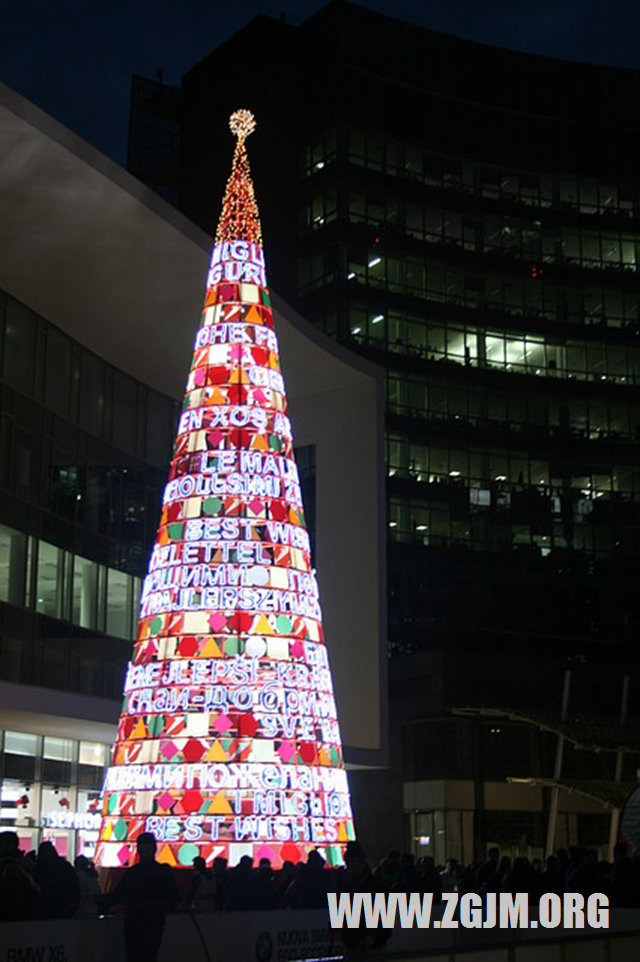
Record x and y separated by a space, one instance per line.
19 346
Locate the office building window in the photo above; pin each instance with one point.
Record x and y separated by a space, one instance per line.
50 581
84 599
119 603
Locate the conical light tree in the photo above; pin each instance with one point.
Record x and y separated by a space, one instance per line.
228 743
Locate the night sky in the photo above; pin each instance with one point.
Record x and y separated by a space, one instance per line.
75 58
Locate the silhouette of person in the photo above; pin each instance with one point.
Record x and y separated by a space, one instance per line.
203 890
358 877
220 875
429 878
239 893
263 893
19 894
311 883
487 877
58 883
147 890
89 887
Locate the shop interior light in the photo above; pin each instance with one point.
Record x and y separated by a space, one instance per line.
377 319
374 261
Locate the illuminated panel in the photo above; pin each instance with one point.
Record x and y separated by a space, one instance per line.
228 743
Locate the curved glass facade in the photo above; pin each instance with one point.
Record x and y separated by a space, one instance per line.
83 455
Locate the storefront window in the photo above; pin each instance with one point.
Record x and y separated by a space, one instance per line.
19 810
88 822
56 806
57 801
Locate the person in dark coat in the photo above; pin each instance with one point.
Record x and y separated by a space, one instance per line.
203 891
147 890
220 875
240 886
311 883
58 883
263 893
358 877
19 893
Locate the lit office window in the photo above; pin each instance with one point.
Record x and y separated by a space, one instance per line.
20 743
119 603
92 753
50 580
13 549
84 598
91 762
58 749
20 751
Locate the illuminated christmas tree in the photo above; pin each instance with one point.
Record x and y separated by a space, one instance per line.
228 742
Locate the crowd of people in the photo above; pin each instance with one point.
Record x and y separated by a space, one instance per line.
44 885
570 870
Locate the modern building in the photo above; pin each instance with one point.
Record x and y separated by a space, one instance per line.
469 219
101 289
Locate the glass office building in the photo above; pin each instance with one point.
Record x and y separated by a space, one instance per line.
468 218
83 452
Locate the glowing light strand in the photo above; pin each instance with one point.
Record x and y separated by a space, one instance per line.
240 219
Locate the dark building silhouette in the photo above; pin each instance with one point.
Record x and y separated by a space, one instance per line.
468 218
